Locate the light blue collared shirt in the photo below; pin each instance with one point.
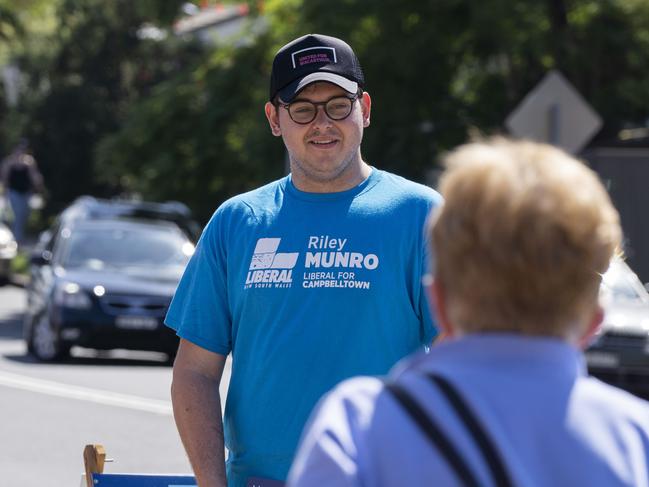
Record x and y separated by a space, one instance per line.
553 425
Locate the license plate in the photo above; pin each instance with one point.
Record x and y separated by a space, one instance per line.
602 359
136 322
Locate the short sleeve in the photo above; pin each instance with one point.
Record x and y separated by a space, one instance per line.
199 311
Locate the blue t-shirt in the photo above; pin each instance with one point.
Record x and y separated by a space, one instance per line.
305 290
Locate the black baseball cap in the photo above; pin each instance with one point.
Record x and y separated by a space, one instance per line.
311 58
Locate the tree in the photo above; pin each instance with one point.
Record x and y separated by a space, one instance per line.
201 136
80 89
438 68
170 120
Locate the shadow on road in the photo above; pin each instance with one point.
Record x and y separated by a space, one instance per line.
11 326
18 280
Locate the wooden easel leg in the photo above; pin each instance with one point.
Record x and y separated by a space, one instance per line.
94 457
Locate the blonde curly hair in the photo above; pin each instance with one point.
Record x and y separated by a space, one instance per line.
522 239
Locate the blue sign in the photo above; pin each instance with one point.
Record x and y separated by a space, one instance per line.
142 480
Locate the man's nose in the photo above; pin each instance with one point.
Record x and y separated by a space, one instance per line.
321 117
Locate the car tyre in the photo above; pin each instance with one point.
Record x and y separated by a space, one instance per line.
45 343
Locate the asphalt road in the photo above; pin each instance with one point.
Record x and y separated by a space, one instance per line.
49 412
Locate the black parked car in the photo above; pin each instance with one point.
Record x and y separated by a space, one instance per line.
620 351
8 250
104 284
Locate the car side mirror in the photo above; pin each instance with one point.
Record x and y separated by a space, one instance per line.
41 258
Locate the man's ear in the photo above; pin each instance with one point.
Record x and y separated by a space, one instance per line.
366 107
273 118
592 328
437 297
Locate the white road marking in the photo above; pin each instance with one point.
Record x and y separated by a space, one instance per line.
85 394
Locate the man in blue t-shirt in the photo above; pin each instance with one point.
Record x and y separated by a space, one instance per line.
306 281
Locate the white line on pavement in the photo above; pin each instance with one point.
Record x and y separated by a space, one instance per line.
85 394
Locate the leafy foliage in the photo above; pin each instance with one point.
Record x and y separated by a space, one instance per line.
200 137
81 90
109 111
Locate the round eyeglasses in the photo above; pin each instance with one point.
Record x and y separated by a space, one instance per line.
305 111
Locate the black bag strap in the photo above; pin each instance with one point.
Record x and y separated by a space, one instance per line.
434 434
482 439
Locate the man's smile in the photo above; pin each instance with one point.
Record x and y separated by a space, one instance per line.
323 142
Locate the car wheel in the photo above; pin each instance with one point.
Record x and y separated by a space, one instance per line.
45 342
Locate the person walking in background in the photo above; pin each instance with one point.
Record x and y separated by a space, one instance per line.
306 281
520 245
21 179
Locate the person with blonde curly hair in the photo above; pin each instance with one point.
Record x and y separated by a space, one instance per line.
520 245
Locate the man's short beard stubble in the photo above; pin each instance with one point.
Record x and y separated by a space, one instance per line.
319 177
314 175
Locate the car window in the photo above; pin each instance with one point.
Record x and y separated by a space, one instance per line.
124 247
89 208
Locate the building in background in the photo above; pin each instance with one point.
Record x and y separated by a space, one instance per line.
218 23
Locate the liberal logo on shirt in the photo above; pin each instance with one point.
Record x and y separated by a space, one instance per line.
269 268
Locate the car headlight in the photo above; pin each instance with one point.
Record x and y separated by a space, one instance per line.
188 249
70 295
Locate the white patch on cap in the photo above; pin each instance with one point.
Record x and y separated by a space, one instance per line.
314 58
346 84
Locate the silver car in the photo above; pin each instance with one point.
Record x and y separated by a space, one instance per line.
620 351
8 250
